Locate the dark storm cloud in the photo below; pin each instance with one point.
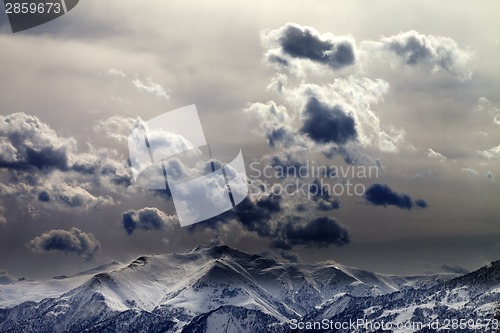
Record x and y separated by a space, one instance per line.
44 196
72 241
295 41
432 52
253 215
146 219
383 195
267 217
320 232
327 124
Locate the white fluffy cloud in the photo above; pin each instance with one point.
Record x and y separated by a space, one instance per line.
491 154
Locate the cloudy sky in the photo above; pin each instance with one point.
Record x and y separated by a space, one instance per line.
408 92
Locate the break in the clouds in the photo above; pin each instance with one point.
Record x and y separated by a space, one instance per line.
433 53
148 218
383 195
293 43
66 241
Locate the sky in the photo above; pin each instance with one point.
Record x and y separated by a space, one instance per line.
396 102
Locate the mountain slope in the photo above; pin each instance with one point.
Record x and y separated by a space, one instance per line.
220 289
471 297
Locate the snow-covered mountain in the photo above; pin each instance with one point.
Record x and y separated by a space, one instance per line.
219 289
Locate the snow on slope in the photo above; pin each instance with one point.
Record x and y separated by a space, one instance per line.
209 289
472 297
21 291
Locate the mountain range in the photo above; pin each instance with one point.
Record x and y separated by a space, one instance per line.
220 289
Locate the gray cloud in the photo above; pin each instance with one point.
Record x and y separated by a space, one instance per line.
430 52
151 87
491 154
320 232
268 216
326 124
146 219
66 241
294 42
454 269
383 195
304 42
